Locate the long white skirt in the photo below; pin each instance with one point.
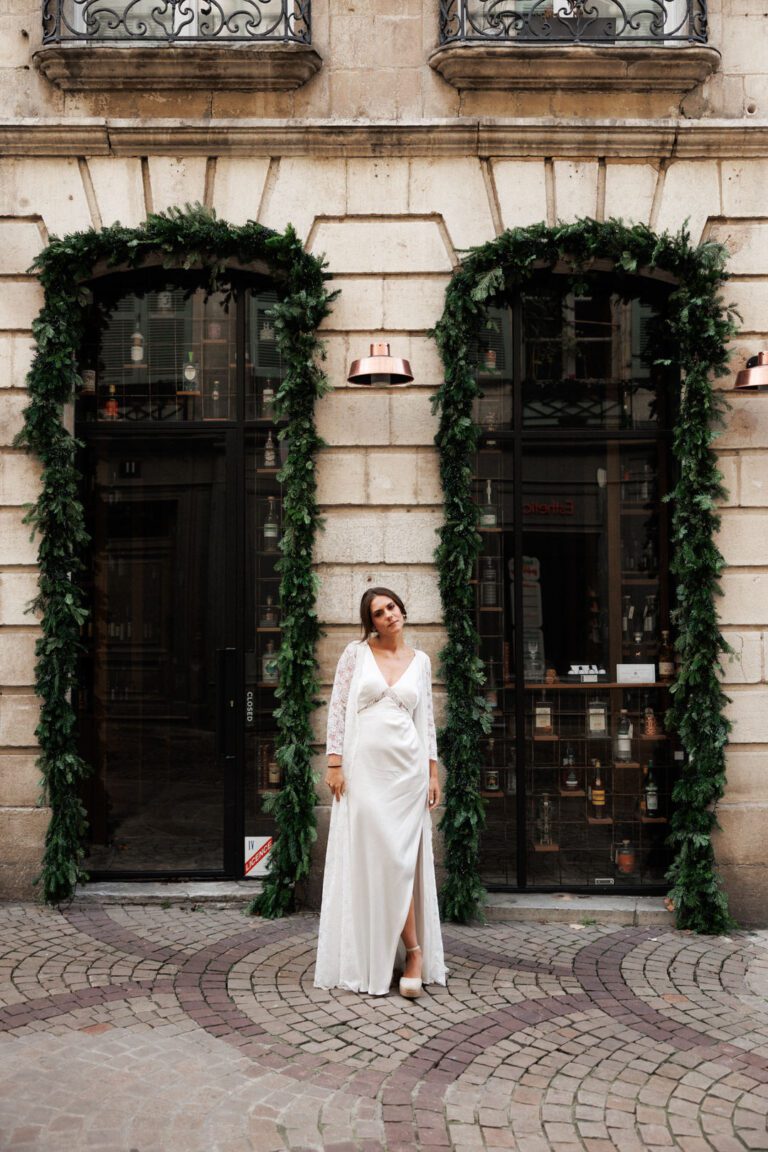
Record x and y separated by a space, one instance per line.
379 855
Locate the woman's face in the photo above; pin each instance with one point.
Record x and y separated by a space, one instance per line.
386 617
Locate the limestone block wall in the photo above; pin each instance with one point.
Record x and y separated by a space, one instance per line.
392 227
375 65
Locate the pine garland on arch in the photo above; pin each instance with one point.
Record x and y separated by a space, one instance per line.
182 238
699 326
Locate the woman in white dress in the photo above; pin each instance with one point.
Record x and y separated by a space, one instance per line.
379 894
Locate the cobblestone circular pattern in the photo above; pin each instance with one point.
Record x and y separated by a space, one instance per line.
196 1030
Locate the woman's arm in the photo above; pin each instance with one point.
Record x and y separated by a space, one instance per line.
434 781
337 714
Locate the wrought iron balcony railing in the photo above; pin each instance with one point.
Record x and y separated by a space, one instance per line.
573 21
174 21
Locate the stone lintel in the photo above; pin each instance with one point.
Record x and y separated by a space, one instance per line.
523 137
615 67
89 66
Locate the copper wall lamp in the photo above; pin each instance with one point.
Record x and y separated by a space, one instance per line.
753 378
380 369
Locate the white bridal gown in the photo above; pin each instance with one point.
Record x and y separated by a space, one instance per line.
380 838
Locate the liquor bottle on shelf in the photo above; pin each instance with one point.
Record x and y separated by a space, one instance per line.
650 720
491 689
627 613
268 401
488 583
626 861
651 790
623 748
488 515
649 556
646 483
598 793
666 659
269 666
510 770
626 483
137 343
111 410
274 776
216 404
649 617
637 648
271 528
545 822
597 719
542 717
533 666
270 452
189 374
269 614
491 772
570 779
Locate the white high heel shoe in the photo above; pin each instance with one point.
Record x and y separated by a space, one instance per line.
411 986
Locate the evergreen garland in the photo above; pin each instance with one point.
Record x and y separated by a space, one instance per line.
188 238
699 328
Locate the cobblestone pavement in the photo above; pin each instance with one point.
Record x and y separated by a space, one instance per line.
150 1029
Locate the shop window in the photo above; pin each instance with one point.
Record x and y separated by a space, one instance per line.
180 458
573 463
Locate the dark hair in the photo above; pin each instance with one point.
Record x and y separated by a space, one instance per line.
369 596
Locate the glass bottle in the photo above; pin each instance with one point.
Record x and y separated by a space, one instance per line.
269 614
268 401
625 858
111 410
650 721
545 821
189 373
646 483
216 412
510 770
488 515
273 770
649 617
488 583
137 343
666 659
269 667
651 792
542 717
637 654
271 529
598 793
626 617
491 689
623 749
491 772
597 719
270 452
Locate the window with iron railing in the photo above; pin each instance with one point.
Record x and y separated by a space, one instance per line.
574 21
176 20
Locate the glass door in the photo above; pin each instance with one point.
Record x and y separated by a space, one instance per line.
152 705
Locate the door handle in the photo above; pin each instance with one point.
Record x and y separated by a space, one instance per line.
226 691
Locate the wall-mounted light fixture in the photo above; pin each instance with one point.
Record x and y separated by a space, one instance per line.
380 369
753 378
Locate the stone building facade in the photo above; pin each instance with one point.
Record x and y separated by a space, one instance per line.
391 157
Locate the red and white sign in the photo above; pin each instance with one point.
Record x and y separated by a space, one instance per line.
257 849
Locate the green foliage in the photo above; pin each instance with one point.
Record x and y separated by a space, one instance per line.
185 238
698 327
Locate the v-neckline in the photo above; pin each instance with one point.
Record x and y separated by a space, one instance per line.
379 670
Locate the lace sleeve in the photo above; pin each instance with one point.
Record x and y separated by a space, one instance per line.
337 709
431 736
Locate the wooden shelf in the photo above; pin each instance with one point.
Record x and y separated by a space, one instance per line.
572 792
599 820
653 820
626 763
546 847
540 738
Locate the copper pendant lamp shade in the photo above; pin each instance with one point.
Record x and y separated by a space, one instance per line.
755 376
380 368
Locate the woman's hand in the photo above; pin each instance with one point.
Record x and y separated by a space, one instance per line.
334 778
434 787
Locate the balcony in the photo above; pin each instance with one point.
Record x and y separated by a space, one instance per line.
152 45
601 45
